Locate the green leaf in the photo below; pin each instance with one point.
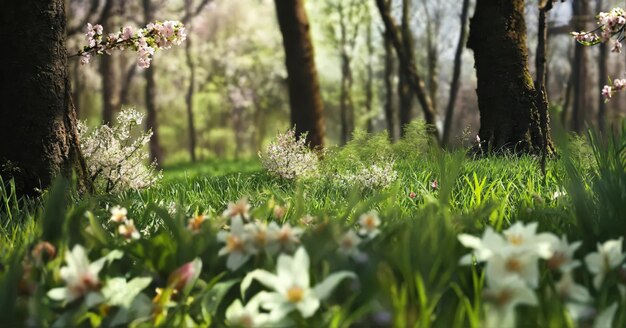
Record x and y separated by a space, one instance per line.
214 297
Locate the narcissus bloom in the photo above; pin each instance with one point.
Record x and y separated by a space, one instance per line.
118 214
128 230
247 316
609 256
239 209
237 245
369 224
503 298
291 286
80 276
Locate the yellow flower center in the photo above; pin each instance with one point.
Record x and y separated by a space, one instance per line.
515 239
295 294
513 265
370 223
233 243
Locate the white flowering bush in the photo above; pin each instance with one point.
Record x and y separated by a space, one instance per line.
289 157
117 161
374 176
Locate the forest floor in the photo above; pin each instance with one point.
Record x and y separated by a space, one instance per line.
397 248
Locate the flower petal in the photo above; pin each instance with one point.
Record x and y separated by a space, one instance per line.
323 289
266 278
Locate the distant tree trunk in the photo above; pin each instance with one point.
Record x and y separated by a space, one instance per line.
602 74
369 84
156 152
456 74
345 104
506 95
191 129
126 81
38 125
407 61
307 111
77 89
107 73
405 93
579 68
432 56
390 116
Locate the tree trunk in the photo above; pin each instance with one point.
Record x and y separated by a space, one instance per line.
390 116
156 152
407 61
456 74
38 125
107 73
307 111
579 68
506 94
191 129
602 74
369 83
432 55
405 93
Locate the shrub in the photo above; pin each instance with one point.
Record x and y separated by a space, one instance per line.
289 157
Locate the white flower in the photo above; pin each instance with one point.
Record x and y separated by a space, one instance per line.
523 265
239 209
503 297
195 223
128 230
569 290
291 286
284 238
605 318
259 234
80 276
349 244
608 257
563 255
246 316
522 237
237 245
118 214
483 248
289 157
369 224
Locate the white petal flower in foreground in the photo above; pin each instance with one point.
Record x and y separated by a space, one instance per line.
569 290
483 248
609 256
369 224
563 255
605 318
128 230
524 237
80 276
239 209
291 286
503 298
285 238
247 316
118 214
237 245
522 265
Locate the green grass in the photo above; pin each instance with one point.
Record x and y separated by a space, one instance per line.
410 273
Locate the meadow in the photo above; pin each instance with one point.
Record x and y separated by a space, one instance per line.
228 243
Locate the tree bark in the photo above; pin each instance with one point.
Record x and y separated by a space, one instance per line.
405 93
38 125
579 68
191 129
156 152
369 83
307 111
107 73
432 55
345 102
407 61
509 116
456 74
390 116
602 74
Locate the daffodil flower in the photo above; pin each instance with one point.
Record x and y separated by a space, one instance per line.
503 298
247 316
349 244
291 286
80 276
522 237
609 256
238 246
563 255
240 209
370 222
118 214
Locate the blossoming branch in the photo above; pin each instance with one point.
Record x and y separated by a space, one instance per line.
145 41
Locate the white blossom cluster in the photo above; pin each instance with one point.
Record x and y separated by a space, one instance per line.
247 237
115 160
512 271
289 157
374 176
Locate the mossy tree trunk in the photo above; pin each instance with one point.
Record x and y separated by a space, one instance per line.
509 118
38 135
307 110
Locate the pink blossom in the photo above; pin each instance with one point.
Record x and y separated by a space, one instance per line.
127 33
84 58
607 92
617 47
